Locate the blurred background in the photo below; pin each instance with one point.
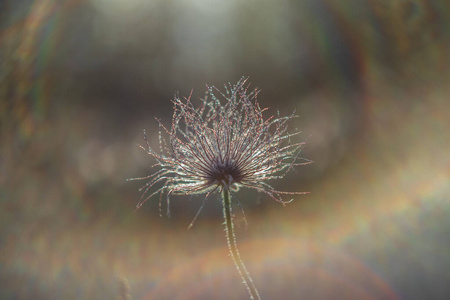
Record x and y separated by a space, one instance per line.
80 80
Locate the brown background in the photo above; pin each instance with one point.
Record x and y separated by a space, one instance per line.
79 80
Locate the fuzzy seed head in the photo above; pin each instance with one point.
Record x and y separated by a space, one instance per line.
225 143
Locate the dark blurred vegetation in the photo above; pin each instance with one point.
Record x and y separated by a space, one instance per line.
79 80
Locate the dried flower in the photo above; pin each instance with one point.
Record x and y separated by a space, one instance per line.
223 145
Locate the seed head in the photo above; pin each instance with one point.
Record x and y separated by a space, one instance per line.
225 143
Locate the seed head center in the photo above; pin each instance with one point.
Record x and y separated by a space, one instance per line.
225 173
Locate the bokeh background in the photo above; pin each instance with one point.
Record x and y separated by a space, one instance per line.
369 79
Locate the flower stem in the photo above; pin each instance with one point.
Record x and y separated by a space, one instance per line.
232 247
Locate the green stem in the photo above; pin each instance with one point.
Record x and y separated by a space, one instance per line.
232 247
